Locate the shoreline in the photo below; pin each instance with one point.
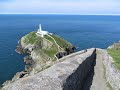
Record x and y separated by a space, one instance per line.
105 58
30 63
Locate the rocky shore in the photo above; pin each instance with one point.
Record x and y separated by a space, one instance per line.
69 74
31 51
36 59
53 65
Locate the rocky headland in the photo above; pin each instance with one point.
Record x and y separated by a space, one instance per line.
52 65
41 53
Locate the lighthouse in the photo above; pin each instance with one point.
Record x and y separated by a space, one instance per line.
40 28
41 32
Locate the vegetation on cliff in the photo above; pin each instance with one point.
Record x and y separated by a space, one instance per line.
114 51
61 42
43 51
32 38
58 43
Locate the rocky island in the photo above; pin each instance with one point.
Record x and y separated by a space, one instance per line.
42 50
52 65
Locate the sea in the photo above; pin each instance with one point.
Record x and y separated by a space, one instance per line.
83 31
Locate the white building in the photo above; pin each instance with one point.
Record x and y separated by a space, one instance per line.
40 32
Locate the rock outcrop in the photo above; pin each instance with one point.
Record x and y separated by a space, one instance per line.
50 67
115 45
68 74
112 71
42 52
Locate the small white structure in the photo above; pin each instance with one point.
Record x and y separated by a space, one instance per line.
40 32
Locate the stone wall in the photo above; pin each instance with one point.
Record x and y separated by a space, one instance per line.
69 74
112 73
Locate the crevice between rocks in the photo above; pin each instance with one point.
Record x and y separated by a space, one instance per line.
82 78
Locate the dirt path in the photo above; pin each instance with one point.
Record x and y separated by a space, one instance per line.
55 42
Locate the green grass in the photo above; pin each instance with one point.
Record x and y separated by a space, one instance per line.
50 52
61 42
115 53
50 39
54 49
32 38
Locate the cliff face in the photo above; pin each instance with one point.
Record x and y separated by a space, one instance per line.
43 51
69 74
50 67
91 69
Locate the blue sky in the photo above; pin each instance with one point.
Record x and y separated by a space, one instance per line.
60 6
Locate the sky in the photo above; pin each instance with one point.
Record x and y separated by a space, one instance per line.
84 7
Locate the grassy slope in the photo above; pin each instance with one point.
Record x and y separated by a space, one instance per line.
60 41
32 38
115 53
63 43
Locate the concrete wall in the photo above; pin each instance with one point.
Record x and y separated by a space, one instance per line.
69 74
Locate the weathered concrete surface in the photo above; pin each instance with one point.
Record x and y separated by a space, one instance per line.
82 70
99 79
70 74
96 79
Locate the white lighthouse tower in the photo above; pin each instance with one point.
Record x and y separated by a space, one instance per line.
40 32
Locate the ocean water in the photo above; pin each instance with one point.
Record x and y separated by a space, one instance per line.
82 31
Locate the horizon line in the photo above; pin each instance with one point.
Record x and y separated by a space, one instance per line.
61 14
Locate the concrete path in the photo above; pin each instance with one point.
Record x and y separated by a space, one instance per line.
99 81
96 80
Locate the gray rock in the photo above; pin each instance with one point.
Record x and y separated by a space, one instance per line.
67 75
112 73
